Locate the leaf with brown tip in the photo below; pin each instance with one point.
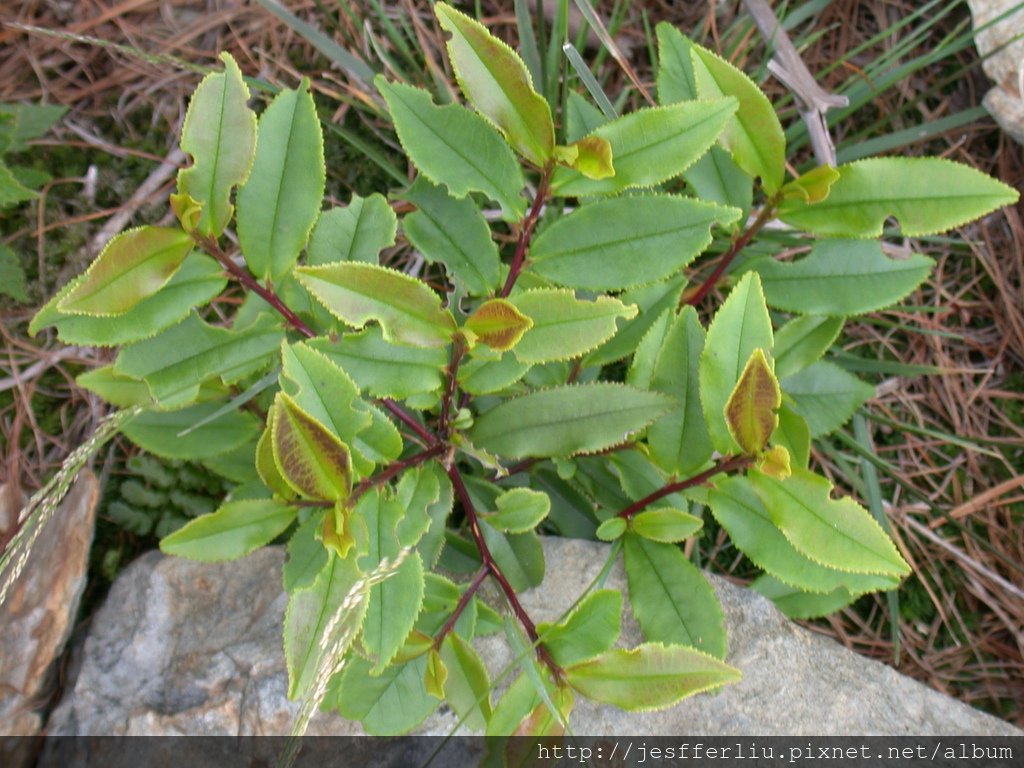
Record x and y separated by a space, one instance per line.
309 457
750 410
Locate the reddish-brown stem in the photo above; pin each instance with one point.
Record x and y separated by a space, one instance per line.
574 371
494 570
527 232
393 469
458 352
471 590
739 242
723 465
409 420
246 278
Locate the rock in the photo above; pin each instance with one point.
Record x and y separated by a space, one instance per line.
37 617
182 647
1003 65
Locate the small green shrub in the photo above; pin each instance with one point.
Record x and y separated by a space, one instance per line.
163 495
549 374
19 124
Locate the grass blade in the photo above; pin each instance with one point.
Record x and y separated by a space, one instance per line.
353 67
874 499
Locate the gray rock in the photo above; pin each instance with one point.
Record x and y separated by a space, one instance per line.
1002 60
182 647
37 617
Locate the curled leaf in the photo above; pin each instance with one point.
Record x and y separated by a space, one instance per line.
498 324
750 410
132 266
309 457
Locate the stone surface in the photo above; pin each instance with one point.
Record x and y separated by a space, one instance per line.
182 647
37 617
1004 67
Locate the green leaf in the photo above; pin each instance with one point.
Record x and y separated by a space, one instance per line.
512 708
308 617
671 599
234 530
453 232
566 420
389 704
519 556
357 232
12 191
679 440
754 137
520 510
752 529
813 186
306 555
266 464
436 674
121 391
383 369
676 81
650 146
160 433
801 605
649 677
438 511
198 280
310 458
12 276
468 685
496 82
740 326
717 179
134 265
837 533
926 195
451 145
20 123
802 341
641 367
572 513
750 410
775 461
564 326
652 300
841 277
611 529
417 491
589 248
395 602
498 324
591 156
794 435
280 202
324 391
826 396
440 598
380 442
175 362
481 376
590 630
665 524
220 135
581 117
323 388
356 293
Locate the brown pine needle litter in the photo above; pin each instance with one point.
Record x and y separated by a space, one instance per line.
945 432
